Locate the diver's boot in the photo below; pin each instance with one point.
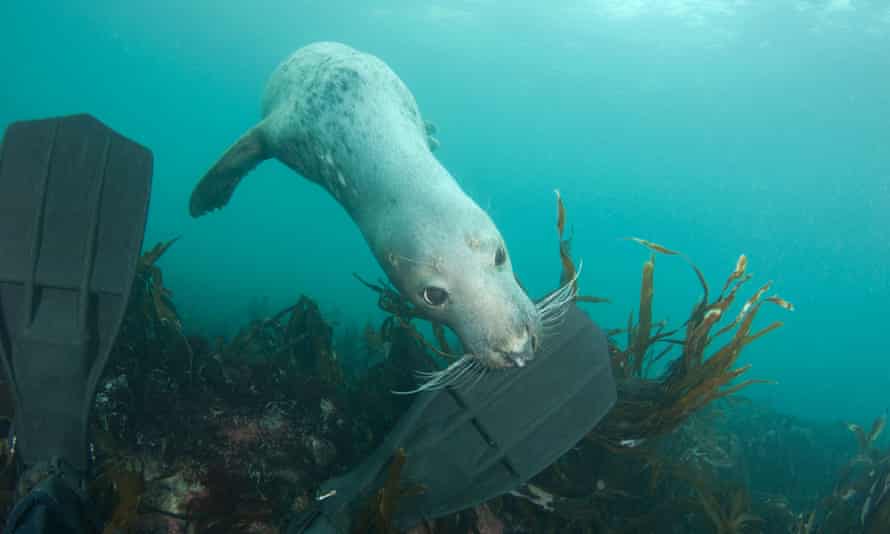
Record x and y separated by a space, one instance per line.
51 497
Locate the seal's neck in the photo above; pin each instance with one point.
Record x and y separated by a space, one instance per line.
398 178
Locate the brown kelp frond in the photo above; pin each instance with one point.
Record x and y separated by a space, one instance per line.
732 517
156 299
565 244
400 308
461 369
782 303
643 330
738 273
569 272
439 332
119 489
655 247
302 341
390 300
150 257
727 505
650 407
379 511
160 302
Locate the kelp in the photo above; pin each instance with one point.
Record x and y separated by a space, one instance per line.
156 299
378 512
615 493
569 271
118 490
650 407
296 339
565 244
866 468
860 499
729 512
726 505
160 301
401 313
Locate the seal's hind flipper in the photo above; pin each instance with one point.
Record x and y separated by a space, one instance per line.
464 447
73 204
216 187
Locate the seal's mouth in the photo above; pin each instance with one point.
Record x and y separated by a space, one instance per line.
517 353
470 368
508 359
512 359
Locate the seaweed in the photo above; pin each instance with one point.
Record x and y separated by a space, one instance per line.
568 270
117 491
159 302
270 414
401 312
651 407
378 512
732 517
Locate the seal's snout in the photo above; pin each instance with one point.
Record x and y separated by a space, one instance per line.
520 349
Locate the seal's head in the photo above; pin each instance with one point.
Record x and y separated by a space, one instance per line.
469 286
458 272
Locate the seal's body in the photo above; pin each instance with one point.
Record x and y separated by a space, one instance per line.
344 120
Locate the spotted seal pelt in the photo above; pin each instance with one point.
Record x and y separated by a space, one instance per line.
344 120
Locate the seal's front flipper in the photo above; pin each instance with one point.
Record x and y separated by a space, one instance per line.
73 204
464 447
216 187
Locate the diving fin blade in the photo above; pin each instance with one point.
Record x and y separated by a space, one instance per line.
465 447
514 424
73 206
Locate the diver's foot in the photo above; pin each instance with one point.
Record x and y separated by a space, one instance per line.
57 469
51 497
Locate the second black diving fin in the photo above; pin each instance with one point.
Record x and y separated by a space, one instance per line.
464 447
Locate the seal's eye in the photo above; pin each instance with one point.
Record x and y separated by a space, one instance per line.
435 296
500 256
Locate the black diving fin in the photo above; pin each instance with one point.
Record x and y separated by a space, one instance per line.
73 206
465 446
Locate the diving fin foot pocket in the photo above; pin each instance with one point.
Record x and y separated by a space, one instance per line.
73 206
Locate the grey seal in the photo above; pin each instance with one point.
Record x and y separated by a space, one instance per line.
344 120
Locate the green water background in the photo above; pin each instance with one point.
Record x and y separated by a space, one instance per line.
716 128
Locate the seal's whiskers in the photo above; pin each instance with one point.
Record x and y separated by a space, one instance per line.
552 308
458 374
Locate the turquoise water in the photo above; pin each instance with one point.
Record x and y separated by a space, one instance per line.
716 128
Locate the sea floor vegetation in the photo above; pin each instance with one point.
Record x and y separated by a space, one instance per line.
194 434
